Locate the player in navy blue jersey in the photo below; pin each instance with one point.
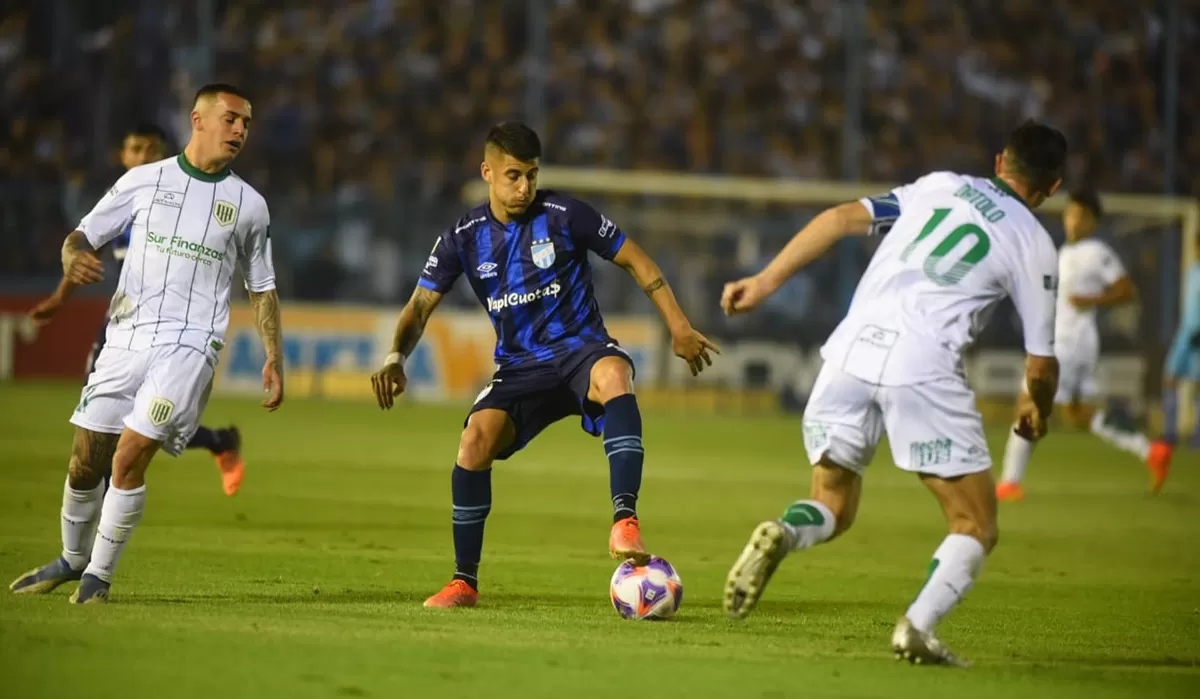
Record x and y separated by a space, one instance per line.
147 143
525 255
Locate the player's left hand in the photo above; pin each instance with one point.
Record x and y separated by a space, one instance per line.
272 384
693 348
743 295
1081 302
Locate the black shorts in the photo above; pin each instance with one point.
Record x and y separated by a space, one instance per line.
538 395
94 353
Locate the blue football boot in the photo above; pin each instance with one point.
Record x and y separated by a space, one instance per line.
41 580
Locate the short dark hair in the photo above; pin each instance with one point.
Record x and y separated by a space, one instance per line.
1037 155
214 89
149 130
516 139
1088 198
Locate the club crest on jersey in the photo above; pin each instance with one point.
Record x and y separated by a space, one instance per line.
160 411
543 253
224 212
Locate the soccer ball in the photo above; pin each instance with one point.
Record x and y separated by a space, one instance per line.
652 591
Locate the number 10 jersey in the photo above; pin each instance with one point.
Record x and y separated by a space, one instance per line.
953 246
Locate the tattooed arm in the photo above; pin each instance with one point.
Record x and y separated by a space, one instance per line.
266 319
413 320
80 261
390 381
647 274
688 344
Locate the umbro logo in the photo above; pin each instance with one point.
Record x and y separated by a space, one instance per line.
487 270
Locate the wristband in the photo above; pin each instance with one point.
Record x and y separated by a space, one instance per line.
394 358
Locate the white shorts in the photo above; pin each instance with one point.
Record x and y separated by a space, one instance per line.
1077 377
159 392
933 427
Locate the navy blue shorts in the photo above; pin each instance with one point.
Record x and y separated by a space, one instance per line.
97 345
536 396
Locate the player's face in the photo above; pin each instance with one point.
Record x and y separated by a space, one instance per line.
139 150
512 183
224 123
1078 221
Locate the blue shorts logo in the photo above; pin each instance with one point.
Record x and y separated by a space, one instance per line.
543 253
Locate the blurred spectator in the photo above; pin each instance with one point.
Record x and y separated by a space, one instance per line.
369 113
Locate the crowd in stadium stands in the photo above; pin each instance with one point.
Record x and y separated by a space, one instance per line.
369 113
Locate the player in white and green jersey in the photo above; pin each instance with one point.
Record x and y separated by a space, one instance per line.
1091 276
953 247
193 223
142 144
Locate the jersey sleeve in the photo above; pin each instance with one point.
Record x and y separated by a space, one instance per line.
594 231
885 208
257 263
443 266
1108 265
1033 288
112 214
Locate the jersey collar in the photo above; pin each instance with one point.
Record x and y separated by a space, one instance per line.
193 171
1007 189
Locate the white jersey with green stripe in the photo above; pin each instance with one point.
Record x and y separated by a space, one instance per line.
953 246
190 231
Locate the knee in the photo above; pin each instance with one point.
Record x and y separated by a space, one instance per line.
91 459
131 460
82 474
611 378
476 449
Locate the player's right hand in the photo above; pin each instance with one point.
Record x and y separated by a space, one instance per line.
44 311
388 383
743 295
84 268
1031 423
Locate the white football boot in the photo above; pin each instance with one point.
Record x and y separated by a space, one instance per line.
769 544
921 647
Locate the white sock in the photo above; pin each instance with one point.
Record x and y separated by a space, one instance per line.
1016 457
121 512
1135 443
956 564
80 514
809 522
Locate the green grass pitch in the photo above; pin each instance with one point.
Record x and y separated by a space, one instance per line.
309 582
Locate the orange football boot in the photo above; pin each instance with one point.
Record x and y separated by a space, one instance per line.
625 541
457 593
233 469
1159 463
1009 491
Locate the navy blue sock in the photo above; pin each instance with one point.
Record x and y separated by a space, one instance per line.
1170 404
623 447
472 495
205 438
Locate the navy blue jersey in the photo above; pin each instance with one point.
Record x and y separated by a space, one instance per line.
532 275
